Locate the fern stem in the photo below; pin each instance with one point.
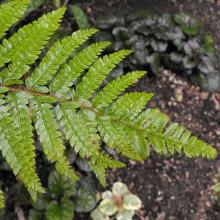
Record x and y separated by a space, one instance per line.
13 89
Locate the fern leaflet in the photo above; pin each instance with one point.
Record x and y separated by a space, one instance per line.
50 136
113 89
73 69
11 11
97 73
57 55
2 200
19 113
17 48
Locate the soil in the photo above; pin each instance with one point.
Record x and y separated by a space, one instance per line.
174 188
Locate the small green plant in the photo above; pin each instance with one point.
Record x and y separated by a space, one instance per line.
34 4
63 196
79 15
188 24
56 203
215 193
120 204
58 97
216 186
177 42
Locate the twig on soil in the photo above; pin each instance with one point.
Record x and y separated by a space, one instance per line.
20 213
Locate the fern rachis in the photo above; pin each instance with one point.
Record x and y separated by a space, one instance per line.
46 101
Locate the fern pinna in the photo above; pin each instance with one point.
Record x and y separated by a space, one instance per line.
62 101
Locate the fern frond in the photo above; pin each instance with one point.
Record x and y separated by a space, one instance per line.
115 136
121 135
50 136
46 99
79 132
113 89
9 142
100 163
19 112
2 200
98 72
3 58
130 105
63 167
73 69
10 13
57 55
21 50
172 138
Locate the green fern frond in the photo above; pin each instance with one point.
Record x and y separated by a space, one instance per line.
73 69
14 151
123 135
20 115
80 133
11 12
17 48
130 105
56 100
98 72
50 136
57 55
172 138
9 142
100 162
80 130
115 137
2 200
113 89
